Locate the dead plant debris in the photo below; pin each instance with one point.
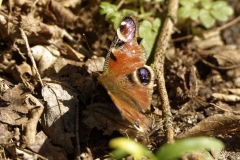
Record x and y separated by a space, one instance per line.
70 115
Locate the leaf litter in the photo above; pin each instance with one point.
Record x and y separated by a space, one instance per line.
72 115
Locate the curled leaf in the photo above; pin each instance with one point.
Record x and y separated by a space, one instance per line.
126 146
183 146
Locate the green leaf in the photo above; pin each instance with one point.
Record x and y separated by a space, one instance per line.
113 14
145 26
184 12
219 15
118 16
206 19
217 10
116 19
148 43
222 6
126 146
156 24
181 147
206 4
194 13
109 16
124 12
219 4
228 10
154 0
107 8
188 3
148 32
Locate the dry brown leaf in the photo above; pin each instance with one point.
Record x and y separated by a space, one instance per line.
214 125
20 113
6 61
226 97
27 154
70 3
44 147
51 32
223 106
30 127
7 28
59 68
23 109
84 84
12 117
95 64
39 32
61 15
24 73
227 58
30 24
4 85
21 3
211 39
45 57
71 53
235 91
15 99
226 55
5 135
59 121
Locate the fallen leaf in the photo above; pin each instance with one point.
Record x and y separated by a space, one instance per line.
44 147
214 125
59 121
226 97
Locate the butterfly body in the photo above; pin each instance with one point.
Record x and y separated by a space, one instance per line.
128 80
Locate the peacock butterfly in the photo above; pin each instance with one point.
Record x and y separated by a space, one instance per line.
128 80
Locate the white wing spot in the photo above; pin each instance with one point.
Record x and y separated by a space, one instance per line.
120 36
123 23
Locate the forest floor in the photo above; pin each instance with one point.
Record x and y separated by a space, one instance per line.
67 113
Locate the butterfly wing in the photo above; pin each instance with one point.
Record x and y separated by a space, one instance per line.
128 81
131 99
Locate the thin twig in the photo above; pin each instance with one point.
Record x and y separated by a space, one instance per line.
78 150
31 56
34 5
229 24
225 26
159 65
30 127
120 4
218 67
8 18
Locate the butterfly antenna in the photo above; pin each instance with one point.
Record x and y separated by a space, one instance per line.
85 38
89 48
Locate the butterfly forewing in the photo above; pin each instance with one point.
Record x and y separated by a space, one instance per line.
129 86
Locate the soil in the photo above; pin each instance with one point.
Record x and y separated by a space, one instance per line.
68 114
